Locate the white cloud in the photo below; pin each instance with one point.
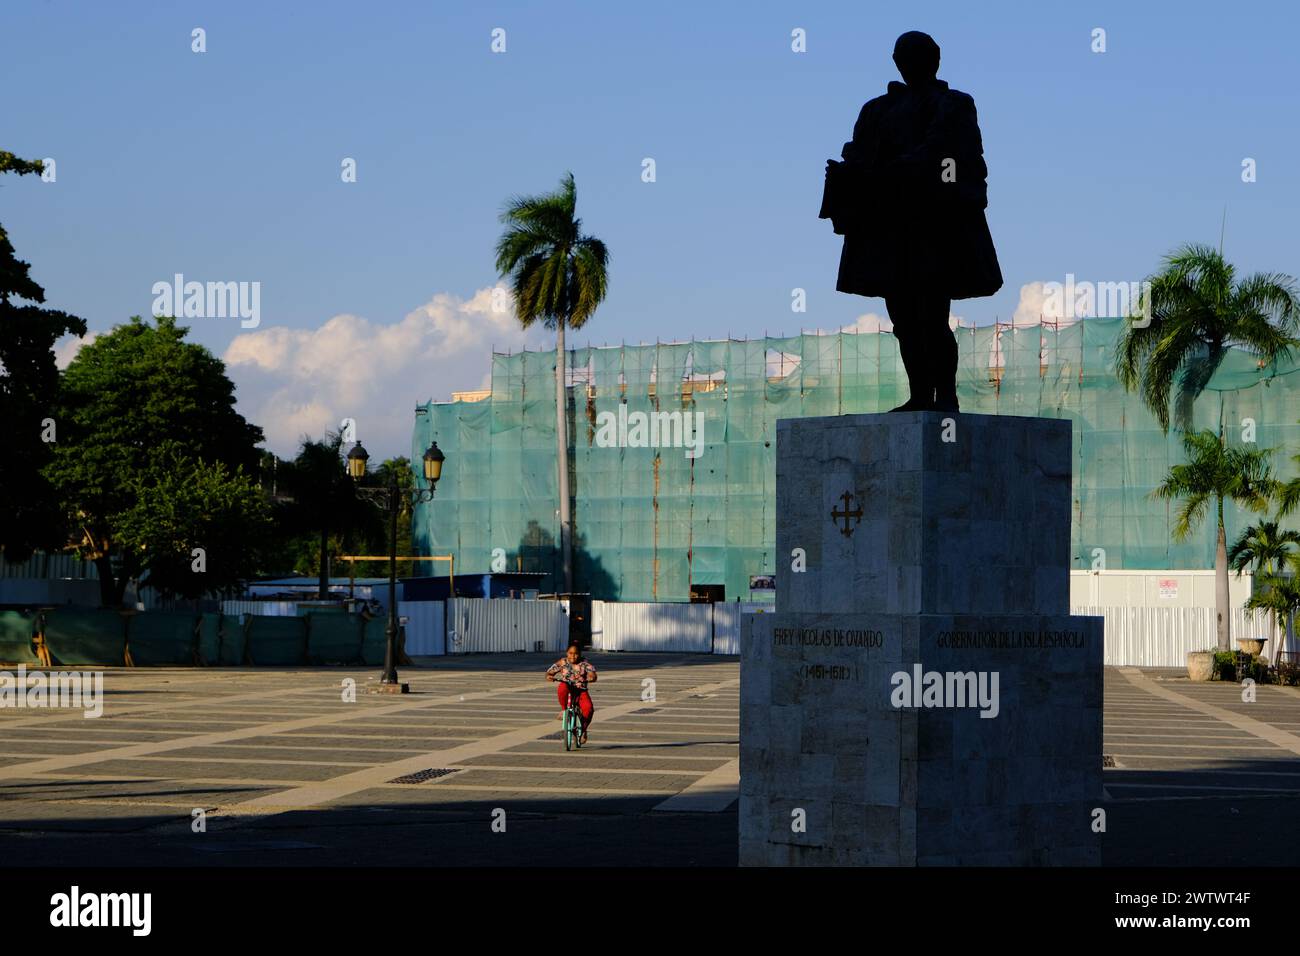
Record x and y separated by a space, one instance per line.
871 322
1036 304
296 382
66 349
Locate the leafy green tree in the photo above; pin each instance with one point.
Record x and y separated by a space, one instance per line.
1279 593
558 277
200 527
321 501
125 399
287 549
29 383
376 541
1212 474
401 465
1265 548
1197 310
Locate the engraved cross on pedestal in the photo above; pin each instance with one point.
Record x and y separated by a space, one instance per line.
854 515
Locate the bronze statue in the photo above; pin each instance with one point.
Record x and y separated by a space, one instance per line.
909 199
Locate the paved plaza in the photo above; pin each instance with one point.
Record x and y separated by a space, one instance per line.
288 772
1201 777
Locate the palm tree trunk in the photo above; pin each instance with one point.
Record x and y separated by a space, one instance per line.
1265 569
1221 588
562 459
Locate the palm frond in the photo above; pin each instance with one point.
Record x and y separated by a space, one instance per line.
1214 472
1195 312
1288 497
590 279
1204 267
1248 477
558 274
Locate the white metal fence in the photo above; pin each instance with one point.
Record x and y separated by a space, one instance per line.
727 620
425 630
1135 636
266 608
628 626
726 628
45 566
480 625
1163 636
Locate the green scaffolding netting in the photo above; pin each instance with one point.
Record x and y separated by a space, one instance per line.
654 523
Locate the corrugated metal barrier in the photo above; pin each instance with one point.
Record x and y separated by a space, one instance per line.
628 626
261 608
425 633
726 628
1163 636
479 625
727 619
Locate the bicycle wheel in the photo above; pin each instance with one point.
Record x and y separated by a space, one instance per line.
570 734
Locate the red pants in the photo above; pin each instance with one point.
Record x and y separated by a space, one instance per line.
585 706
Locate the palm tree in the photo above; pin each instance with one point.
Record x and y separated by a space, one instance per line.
1264 548
1280 594
1196 311
1215 472
322 499
558 276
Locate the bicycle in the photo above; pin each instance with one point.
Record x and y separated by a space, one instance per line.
572 719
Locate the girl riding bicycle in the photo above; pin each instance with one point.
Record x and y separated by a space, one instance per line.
574 670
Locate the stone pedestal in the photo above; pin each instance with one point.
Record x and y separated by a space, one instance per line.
922 695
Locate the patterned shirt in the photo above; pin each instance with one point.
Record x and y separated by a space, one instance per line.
575 674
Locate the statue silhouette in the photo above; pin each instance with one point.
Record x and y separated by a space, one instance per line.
909 199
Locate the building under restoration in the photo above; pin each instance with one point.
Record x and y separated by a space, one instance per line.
672 457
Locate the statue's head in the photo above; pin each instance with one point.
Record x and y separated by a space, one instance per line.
917 57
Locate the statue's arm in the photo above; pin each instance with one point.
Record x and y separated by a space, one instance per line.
853 186
968 151
953 133
861 148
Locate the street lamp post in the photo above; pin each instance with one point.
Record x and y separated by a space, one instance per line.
390 498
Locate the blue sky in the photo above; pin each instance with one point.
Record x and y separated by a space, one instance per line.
225 165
